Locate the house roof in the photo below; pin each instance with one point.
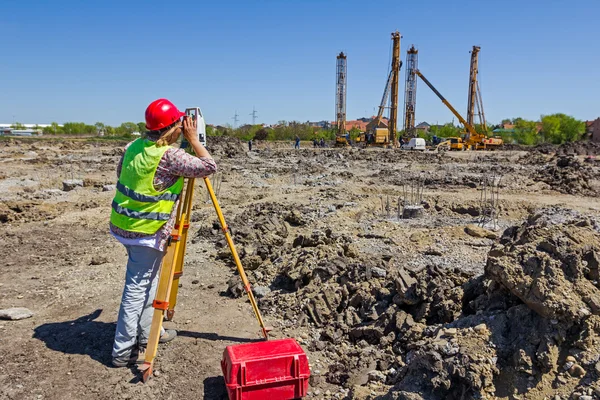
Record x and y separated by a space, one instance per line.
423 125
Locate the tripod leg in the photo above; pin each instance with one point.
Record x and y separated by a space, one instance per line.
187 209
160 305
165 283
236 258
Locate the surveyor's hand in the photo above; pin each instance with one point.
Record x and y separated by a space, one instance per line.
190 131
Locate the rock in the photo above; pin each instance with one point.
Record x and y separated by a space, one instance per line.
481 329
376 376
71 184
16 313
109 188
478 232
550 262
98 260
195 282
433 252
450 332
586 397
252 263
577 370
378 272
261 291
235 286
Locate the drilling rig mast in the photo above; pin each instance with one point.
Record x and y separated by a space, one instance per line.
396 64
410 93
340 101
475 103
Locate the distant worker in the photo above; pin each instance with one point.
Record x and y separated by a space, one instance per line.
250 145
297 143
315 143
150 179
322 142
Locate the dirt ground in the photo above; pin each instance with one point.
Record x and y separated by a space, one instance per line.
307 222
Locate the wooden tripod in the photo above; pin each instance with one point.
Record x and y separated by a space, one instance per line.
172 269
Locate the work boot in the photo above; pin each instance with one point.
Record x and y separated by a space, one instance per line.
135 358
168 336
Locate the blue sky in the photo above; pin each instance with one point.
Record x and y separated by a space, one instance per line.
107 60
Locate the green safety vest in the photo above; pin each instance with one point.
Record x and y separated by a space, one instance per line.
137 206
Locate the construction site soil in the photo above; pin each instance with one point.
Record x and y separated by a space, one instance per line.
491 291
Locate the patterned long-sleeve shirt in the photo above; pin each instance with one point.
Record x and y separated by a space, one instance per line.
174 163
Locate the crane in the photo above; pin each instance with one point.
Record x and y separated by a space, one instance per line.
340 101
473 140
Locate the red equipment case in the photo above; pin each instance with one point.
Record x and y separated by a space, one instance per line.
273 370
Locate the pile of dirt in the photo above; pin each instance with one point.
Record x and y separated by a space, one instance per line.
227 146
566 174
530 323
582 148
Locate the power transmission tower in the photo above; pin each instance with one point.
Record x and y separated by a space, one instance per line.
253 115
235 119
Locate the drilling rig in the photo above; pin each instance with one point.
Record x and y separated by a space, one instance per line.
377 136
473 140
475 103
394 95
410 93
340 101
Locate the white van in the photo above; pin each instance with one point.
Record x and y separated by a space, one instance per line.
415 144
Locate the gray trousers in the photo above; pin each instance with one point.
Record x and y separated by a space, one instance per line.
135 314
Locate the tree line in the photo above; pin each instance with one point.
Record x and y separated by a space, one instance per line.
555 128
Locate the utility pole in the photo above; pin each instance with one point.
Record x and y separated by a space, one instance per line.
253 115
235 119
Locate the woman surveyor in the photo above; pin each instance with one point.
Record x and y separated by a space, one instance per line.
150 180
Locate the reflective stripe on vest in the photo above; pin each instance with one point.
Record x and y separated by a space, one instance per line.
132 194
139 214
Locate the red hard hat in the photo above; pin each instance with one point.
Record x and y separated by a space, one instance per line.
160 114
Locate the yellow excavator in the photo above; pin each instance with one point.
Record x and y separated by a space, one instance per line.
473 140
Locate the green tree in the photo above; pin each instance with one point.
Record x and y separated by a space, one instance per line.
560 128
141 127
354 133
74 128
17 126
100 128
126 129
526 131
262 134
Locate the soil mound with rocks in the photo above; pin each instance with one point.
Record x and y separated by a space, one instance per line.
566 174
530 324
227 146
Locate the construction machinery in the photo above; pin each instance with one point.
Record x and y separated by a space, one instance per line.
378 135
475 102
410 92
341 136
472 140
396 64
